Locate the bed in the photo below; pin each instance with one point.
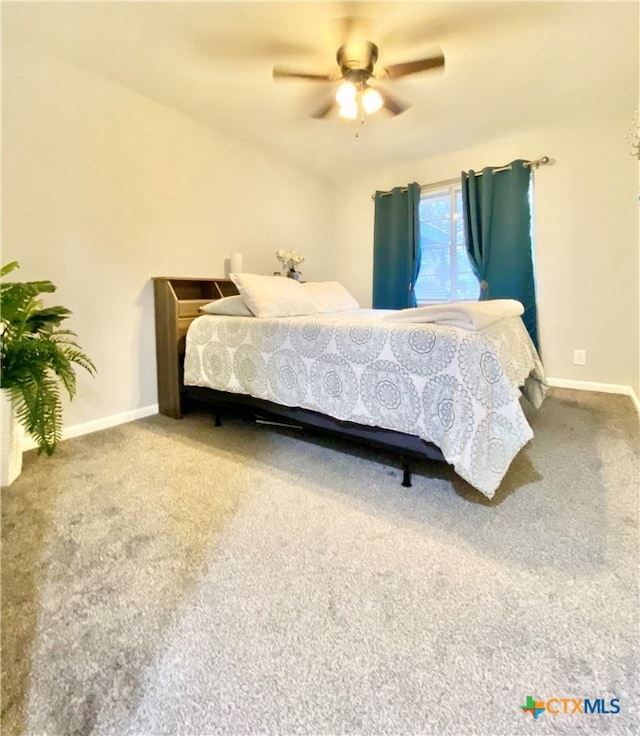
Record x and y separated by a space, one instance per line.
436 390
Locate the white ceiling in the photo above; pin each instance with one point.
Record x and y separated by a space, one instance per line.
507 64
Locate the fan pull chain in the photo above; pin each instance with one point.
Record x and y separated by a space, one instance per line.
360 110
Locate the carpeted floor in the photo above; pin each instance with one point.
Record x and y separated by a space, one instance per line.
171 577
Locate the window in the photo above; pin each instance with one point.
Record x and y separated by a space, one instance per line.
445 272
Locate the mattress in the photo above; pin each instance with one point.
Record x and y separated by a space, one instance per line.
457 388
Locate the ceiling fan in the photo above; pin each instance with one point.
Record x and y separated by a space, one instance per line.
356 95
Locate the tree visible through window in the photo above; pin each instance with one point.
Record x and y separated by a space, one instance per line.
445 273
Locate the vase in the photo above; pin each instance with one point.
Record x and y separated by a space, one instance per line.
293 274
12 436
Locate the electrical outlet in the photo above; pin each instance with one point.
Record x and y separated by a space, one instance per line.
579 357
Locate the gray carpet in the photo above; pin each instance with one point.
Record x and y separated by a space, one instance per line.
170 577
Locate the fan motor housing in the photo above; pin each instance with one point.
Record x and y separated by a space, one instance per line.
357 59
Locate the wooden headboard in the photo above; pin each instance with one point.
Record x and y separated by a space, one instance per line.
177 304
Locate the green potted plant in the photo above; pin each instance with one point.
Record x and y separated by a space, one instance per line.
38 359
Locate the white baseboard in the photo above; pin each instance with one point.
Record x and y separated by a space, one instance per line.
96 425
605 388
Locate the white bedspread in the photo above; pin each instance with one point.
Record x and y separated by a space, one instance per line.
451 386
468 315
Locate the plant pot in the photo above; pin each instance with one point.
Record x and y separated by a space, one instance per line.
11 447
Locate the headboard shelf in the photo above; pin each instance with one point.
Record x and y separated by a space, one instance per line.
177 303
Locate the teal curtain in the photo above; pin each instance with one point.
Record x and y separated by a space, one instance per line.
497 230
396 247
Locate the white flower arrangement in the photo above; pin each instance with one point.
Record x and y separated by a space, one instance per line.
289 259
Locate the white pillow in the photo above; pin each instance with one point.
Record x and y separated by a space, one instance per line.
330 296
232 306
273 296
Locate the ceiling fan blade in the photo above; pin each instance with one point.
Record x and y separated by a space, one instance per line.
280 72
412 67
392 104
325 109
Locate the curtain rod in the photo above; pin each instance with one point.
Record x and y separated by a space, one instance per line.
537 162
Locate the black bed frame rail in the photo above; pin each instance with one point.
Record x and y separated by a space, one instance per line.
407 446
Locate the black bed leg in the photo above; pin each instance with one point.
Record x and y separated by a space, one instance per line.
218 420
406 474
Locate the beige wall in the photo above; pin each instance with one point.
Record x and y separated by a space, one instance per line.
103 189
586 238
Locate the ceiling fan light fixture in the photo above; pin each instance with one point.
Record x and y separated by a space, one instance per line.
346 93
349 110
357 59
371 100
